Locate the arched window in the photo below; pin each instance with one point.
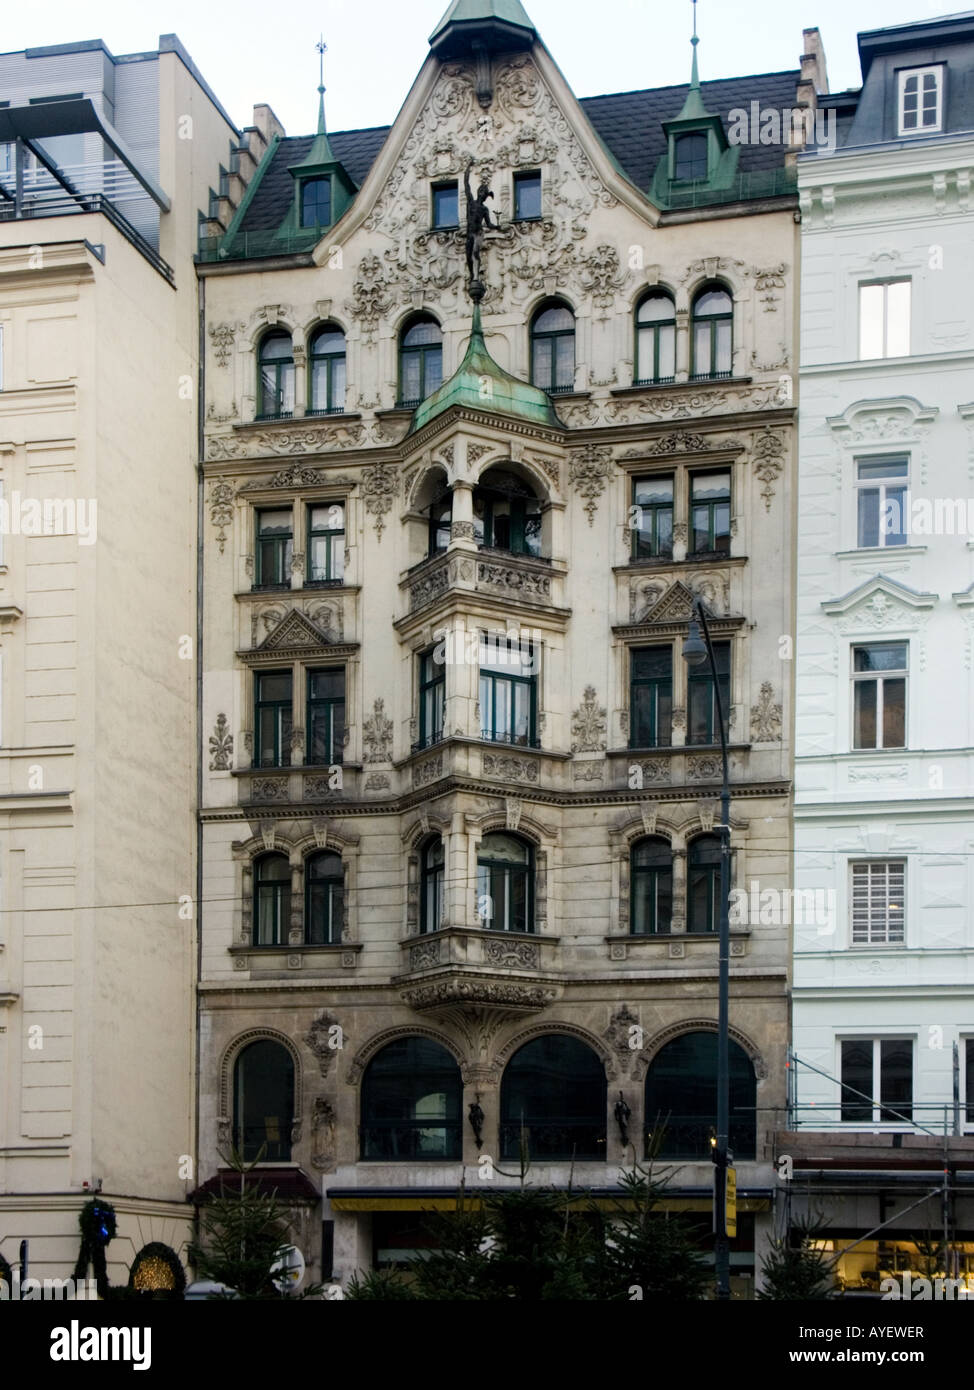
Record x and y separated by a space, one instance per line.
272 900
263 1101
275 386
431 886
655 338
554 1089
703 884
712 332
411 1102
326 371
316 202
506 514
420 360
651 887
324 899
504 872
681 1097
553 348
157 1267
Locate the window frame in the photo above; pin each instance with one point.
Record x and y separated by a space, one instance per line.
639 874
655 551
423 351
550 335
284 377
283 724
677 141
880 678
714 321
239 1104
697 678
488 498
521 178
431 882
653 329
427 685
880 486
514 681
332 535
307 183
444 186
280 898
712 873
878 1106
330 704
711 504
937 70
334 899
885 284
654 684
330 359
870 941
504 867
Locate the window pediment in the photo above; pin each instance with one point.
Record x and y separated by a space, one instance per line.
897 419
880 604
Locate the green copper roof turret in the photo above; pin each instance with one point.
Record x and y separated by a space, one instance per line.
498 25
480 384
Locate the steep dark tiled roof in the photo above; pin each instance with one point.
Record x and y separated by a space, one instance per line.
630 124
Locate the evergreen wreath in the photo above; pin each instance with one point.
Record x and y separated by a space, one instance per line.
97 1222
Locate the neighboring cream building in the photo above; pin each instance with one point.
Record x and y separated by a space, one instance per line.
439 873
106 167
884 993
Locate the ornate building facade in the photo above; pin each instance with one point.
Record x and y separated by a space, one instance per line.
459 804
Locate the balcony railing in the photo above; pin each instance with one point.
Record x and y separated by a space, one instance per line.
689 1137
64 205
555 1140
416 1140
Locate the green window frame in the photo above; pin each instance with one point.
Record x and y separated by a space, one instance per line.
652 501
690 151
655 339
553 348
650 887
712 334
527 196
316 201
275 377
702 701
325 716
432 863
326 544
275 548
650 697
703 884
272 900
273 715
326 371
508 697
507 518
432 699
710 512
420 360
440 523
505 890
324 899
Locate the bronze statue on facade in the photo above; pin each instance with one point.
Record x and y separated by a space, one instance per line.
478 222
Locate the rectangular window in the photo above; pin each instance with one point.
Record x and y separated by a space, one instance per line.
702 724
527 197
879 695
432 699
884 319
326 544
650 697
877 1080
652 533
275 539
326 716
921 101
508 690
690 158
316 203
882 485
272 719
710 513
878 905
446 205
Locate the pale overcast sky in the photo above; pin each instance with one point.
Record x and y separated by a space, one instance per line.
254 51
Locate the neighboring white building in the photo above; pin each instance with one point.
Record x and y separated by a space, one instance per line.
885 722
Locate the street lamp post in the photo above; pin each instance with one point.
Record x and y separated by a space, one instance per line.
697 650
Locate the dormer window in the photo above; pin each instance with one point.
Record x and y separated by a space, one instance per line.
921 92
690 157
316 203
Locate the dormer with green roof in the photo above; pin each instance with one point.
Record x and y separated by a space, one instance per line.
698 157
323 189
